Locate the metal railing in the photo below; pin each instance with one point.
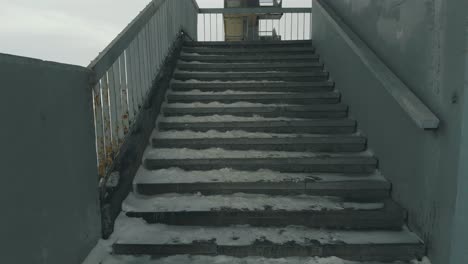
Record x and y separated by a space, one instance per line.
254 23
124 72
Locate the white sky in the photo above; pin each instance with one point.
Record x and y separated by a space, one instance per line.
72 31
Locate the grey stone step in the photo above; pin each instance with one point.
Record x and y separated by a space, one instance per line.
262 98
322 86
326 126
245 67
293 111
197 259
318 143
273 242
326 163
250 44
247 58
360 187
264 210
356 187
364 190
252 50
247 76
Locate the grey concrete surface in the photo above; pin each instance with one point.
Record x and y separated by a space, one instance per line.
423 43
49 191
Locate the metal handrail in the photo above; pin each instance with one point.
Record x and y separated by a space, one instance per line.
125 71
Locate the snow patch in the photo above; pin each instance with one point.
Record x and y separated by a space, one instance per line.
228 82
425 260
223 118
137 231
177 175
219 104
187 259
228 134
216 153
226 92
174 202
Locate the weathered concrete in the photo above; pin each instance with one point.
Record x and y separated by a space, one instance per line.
458 253
255 86
277 98
292 111
421 41
50 211
320 126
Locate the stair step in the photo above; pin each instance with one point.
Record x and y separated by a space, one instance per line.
251 50
199 259
320 126
245 67
211 159
273 242
264 210
324 86
250 44
241 76
356 187
263 98
317 143
249 58
244 109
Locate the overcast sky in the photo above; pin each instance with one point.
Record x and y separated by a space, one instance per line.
71 31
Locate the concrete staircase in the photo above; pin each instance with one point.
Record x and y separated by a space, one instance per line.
255 156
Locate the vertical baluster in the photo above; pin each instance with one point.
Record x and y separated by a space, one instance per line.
138 79
130 86
292 26
114 105
133 72
124 112
154 45
141 68
151 50
149 74
158 30
279 28
303 26
99 130
106 121
144 60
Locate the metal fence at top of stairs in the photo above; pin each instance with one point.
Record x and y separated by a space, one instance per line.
262 23
124 72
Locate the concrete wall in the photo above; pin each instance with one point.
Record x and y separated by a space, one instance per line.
421 41
49 180
459 252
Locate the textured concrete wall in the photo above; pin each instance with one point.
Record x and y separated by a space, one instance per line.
459 252
421 41
49 180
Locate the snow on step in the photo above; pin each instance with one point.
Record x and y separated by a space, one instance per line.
225 92
220 104
217 153
173 202
195 81
227 175
173 134
137 232
189 259
222 118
